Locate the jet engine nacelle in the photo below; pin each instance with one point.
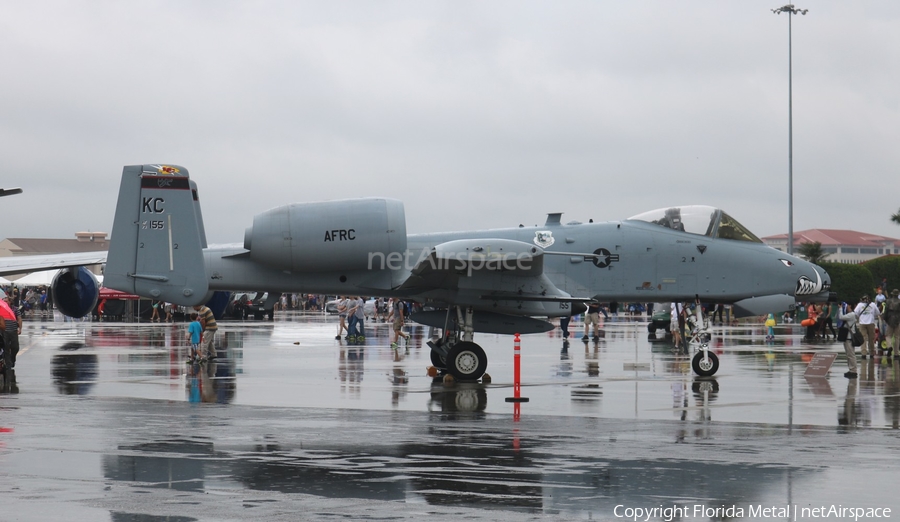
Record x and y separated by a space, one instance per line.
75 291
353 234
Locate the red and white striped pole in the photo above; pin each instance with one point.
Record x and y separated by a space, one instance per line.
517 373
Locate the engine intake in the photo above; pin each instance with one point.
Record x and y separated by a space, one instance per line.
75 291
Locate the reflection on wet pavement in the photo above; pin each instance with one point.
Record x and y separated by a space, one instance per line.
111 419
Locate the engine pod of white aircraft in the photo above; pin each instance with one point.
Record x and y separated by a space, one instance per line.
328 236
75 291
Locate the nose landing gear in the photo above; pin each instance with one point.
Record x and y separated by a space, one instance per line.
705 363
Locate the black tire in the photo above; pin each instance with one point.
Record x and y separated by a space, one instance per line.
706 385
466 361
437 361
468 401
705 370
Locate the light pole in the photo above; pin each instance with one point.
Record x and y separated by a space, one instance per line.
790 10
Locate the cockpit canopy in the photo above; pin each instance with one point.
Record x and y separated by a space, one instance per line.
699 219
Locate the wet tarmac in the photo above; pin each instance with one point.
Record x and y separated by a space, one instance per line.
107 422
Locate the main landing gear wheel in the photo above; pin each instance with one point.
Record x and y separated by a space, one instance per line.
705 368
437 361
466 361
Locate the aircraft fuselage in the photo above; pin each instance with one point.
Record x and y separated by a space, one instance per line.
634 261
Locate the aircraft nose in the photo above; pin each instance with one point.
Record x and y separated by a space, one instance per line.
813 281
826 284
826 279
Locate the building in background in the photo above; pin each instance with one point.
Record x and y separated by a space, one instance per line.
842 246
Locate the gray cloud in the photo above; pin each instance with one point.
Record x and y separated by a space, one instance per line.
474 114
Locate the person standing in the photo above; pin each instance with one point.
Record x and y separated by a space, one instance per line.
812 318
676 323
866 314
209 329
195 334
352 305
892 319
770 327
848 319
399 318
592 317
342 315
880 299
360 319
381 310
12 327
564 326
43 301
827 321
614 308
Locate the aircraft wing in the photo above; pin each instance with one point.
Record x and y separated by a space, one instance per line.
501 274
37 263
446 264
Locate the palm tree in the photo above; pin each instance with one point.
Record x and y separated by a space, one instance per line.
896 217
812 252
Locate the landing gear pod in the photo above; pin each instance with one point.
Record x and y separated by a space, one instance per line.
75 291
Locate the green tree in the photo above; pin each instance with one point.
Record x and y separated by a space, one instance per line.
896 217
812 252
886 267
850 282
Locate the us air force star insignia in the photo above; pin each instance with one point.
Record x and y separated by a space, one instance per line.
543 238
604 258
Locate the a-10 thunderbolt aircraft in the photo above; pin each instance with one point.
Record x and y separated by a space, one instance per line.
497 281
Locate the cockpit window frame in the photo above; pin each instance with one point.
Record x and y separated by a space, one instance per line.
721 225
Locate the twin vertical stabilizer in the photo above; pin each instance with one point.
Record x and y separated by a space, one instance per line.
156 249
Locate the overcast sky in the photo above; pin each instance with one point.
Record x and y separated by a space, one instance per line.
475 114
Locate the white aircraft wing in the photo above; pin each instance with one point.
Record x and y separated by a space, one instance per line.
21 264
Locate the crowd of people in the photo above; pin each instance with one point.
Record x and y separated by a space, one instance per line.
876 321
872 325
16 303
351 311
30 300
